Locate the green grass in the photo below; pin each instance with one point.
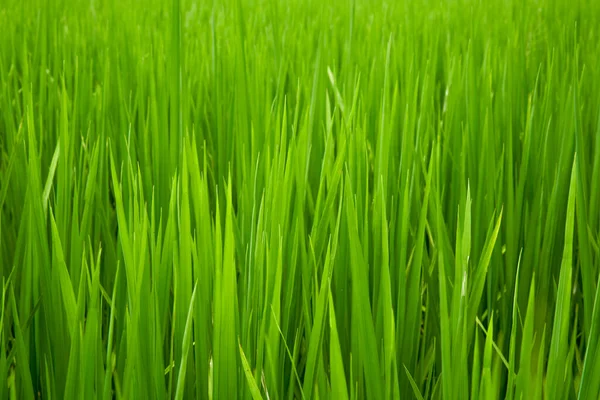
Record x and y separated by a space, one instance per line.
284 199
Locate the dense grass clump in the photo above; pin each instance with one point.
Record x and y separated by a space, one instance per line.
286 199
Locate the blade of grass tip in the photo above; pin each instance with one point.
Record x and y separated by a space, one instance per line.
360 296
292 358
217 334
476 369
385 306
539 375
513 338
523 384
414 273
50 178
183 269
252 386
176 85
482 267
589 386
74 387
413 384
203 271
107 390
494 345
316 334
226 309
560 331
21 354
463 255
90 339
68 294
339 388
446 381
293 389
581 213
272 339
185 345
486 375
123 229
50 388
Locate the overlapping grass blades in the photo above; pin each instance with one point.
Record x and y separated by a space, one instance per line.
295 200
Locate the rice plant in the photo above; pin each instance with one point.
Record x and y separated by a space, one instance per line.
298 199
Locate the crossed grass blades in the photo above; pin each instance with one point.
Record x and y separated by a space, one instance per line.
295 200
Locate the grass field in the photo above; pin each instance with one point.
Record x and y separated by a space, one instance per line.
286 199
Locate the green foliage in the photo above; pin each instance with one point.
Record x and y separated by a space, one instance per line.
286 199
